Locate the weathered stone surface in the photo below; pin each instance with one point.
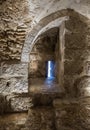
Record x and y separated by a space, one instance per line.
14 77
75 54
75 24
15 103
12 44
68 85
83 86
4 104
18 18
14 68
14 121
13 29
75 41
13 84
41 118
73 67
20 104
79 55
70 114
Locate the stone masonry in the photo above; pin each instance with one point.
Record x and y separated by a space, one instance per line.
26 43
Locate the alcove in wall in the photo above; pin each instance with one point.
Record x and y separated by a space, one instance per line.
43 66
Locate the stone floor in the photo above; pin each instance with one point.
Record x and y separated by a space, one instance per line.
41 85
44 91
13 121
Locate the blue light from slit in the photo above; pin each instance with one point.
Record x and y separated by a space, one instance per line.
50 69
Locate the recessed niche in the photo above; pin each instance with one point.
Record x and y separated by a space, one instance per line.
44 61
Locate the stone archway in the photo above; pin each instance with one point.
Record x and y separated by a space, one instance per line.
38 29
74 25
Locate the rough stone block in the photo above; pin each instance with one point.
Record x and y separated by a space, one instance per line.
20 104
74 54
75 40
13 84
74 24
41 118
70 114
14 77
70 85
83 86
77 61
13 68
77 54
73 67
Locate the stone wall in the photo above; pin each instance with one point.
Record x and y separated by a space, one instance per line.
76 68
14 77
14 19
14 87
71 114
76 51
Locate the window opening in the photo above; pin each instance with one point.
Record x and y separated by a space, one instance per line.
50 69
